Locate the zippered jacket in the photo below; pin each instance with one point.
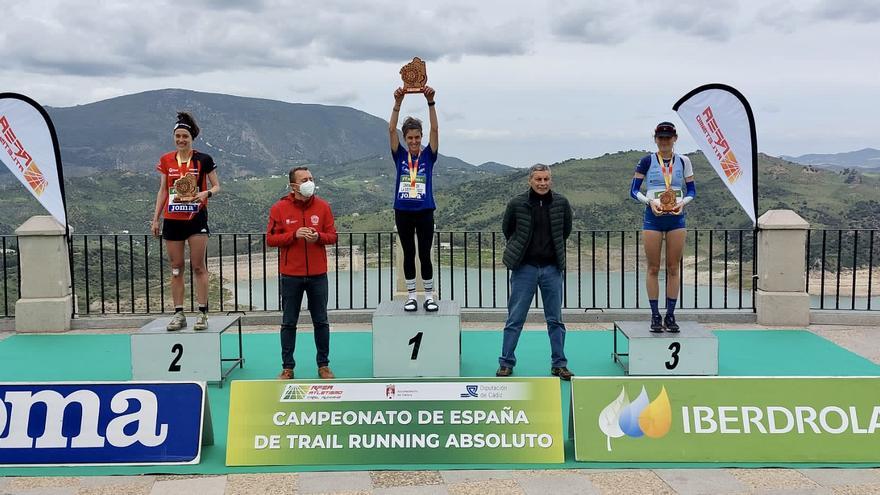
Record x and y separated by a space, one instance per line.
296 257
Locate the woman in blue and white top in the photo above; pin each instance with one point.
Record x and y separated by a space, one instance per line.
671 177
414 196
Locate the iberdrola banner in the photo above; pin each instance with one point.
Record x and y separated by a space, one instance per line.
721 122
29 147
726 419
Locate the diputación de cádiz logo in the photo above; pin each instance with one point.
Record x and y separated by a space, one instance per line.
637 418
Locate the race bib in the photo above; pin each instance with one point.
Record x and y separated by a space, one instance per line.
405 189
176 207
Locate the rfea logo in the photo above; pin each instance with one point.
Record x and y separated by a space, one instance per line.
20 156
637 418
715 137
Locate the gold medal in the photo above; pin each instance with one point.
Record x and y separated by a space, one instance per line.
186 187
667 197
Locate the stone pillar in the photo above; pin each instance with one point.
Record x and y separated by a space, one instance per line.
781 297
46 302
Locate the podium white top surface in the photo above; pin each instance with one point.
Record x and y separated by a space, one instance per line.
642 330
395 308
216 324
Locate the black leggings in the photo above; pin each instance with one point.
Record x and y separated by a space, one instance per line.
412 224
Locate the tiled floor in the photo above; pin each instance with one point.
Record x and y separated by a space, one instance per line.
862 340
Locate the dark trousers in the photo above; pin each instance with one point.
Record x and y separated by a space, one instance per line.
292 289
411 225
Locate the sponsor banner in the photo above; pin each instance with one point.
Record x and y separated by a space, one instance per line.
727 419
720 120
183 207
29 148
395 422
102 423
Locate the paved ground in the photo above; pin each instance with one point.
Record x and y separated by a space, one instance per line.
861 340
563 482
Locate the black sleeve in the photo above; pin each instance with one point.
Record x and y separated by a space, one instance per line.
207 164
508 224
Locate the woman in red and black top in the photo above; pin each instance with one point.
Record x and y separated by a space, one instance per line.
185 220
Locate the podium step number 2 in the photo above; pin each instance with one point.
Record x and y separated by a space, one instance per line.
417 344
184 355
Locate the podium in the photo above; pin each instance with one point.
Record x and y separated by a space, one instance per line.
691 351
183 355
418 343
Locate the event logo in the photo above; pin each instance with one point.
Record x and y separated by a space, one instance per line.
304 392
470 391
294 392
637 418
22 158
721 147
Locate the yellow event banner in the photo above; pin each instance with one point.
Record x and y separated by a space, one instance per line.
477 420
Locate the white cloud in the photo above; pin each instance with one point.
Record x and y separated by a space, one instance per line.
517 82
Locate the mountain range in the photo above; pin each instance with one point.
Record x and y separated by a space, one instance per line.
109 149
867 158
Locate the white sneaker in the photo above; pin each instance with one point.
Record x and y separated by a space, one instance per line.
178 321
201 322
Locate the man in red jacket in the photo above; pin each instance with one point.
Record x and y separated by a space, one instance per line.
300 225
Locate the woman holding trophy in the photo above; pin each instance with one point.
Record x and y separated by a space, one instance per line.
413 185
182 201
670 186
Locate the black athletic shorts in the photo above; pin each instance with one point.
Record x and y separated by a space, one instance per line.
181 230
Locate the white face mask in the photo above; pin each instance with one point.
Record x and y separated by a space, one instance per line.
307 189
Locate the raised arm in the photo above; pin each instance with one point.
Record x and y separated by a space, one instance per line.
434 138
392 122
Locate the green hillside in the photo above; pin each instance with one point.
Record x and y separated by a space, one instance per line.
468 198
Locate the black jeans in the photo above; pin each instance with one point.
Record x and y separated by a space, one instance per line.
412 224
292 289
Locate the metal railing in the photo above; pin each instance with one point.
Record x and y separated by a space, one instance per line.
840 269
127 273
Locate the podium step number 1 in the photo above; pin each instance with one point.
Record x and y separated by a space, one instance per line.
691 351
183 355
416 344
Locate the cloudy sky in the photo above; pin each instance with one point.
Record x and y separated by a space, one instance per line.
517 82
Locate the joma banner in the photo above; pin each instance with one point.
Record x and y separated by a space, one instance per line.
68 423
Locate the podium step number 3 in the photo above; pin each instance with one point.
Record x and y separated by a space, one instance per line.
184 355
691 351
417 344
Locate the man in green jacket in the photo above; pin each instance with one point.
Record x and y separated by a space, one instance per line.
536 224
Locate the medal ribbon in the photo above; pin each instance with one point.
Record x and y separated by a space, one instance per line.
667 172
184 171
413 169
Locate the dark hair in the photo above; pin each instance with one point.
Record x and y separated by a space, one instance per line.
411 124
538 167
185 120
294 170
